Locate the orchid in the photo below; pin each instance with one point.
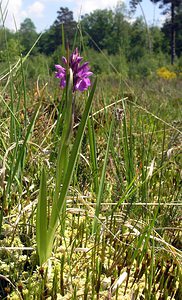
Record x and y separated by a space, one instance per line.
74 76
81 73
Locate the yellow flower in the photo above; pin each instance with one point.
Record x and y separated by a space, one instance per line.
164 73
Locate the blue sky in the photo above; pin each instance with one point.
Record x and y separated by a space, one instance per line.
43 12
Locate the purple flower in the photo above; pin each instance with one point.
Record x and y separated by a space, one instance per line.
81 73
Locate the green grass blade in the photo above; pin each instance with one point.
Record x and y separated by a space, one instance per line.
63 40
41 219
101 185
20 158
57 207
93 154
63 150
127 147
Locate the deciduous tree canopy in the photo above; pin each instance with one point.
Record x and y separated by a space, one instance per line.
108 30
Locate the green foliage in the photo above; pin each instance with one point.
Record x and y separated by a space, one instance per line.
120 64
114 33
166 30
10 48
121 31
146 66
66 161
53 37
47 43
126 45
65 19
56 56
12 53
138 40
157 39
172 27
98 63
28 35
92 24
9 35
37 66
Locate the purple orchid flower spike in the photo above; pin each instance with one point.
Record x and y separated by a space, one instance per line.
81 73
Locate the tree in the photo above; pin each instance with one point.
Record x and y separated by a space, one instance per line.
168 6
10 47
4 32
47 44
158 39
28 35
171 6
66 21
52 38
121 30
138 42
98 26
166 29
109 30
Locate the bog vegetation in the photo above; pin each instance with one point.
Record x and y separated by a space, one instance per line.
90 176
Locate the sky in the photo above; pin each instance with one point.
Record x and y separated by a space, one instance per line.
43 12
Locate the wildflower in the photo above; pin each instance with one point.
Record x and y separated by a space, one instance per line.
165 73
81 73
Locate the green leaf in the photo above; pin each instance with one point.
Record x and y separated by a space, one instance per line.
58 205
101 185
93 153
20 156
41 219
63 150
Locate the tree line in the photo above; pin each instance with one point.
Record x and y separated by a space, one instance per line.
108 30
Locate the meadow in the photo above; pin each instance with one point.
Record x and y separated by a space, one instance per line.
91 190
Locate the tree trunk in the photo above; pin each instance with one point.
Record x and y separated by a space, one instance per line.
172 32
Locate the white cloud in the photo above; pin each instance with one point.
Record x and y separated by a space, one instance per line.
36 9
15 13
